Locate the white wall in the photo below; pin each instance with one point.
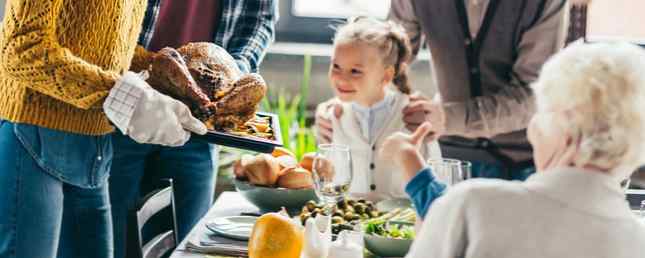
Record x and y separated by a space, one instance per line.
617 18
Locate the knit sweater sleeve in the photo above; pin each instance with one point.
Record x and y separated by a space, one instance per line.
31 54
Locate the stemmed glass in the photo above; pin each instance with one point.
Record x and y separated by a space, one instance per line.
332 172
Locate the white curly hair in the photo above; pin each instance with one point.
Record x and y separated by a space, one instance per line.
602 88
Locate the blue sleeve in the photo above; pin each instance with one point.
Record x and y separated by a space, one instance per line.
423 189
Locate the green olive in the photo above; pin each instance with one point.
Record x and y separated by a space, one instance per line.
351 202
337 220
374 214
349 209
341 204
364 216
359 208
311 205
348 215
363 201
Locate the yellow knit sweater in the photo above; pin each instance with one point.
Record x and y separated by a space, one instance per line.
59 59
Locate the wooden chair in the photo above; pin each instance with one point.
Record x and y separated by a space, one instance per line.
162 244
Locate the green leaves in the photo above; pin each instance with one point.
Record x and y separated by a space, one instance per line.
292 113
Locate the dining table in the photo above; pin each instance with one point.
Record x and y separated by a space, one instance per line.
227 204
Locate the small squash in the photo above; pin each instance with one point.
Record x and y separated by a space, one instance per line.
275 235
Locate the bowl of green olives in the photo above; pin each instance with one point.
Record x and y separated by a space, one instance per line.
346 214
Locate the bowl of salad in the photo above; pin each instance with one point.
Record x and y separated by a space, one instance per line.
388 238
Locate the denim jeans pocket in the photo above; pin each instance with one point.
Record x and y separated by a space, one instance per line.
76 159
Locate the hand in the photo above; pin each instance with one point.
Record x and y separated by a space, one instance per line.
148 116
421 109
323 125
405 149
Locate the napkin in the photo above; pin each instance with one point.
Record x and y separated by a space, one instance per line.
213 244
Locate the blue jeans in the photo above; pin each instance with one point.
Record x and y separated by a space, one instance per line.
137 168
53 193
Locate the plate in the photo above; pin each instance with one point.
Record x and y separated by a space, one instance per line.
251 143
234 227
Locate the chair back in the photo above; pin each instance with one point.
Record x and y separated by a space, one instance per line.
149 206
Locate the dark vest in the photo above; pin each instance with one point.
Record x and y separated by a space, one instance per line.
467 68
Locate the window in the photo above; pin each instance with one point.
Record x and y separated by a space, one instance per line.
313 21
340 8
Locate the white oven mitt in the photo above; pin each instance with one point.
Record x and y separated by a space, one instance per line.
148 116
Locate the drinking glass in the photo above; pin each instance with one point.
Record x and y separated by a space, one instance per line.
332 172
450 171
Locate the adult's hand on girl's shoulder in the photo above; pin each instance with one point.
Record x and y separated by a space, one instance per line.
421 109
323 124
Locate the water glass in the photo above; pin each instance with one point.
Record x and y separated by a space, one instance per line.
450 171
332 172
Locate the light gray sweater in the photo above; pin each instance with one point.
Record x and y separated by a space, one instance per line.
567 212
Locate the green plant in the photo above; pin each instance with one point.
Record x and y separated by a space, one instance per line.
292 114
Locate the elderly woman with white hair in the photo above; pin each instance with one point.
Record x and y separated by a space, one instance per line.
588 135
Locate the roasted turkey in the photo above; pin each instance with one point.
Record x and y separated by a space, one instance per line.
206 78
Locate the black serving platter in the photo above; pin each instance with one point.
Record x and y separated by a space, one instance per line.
251 143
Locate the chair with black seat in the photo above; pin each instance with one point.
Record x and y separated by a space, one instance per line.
152 204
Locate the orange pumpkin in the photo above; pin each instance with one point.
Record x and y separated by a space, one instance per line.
275 235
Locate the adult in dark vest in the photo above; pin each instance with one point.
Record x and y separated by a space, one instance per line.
485 53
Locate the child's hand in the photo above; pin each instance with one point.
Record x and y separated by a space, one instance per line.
323 124
405 150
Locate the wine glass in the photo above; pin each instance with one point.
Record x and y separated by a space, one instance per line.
332 172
